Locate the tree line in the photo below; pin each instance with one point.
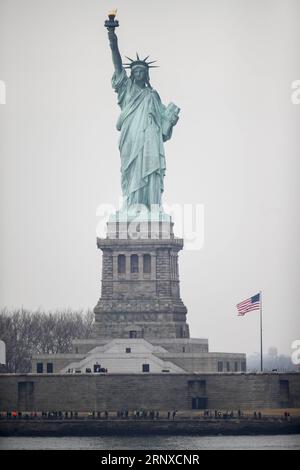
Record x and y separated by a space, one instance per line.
27 333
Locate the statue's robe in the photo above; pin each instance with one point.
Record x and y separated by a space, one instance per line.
144 126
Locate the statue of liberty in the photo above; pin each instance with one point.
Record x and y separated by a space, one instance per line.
144 123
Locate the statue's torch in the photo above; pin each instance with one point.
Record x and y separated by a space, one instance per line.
111 23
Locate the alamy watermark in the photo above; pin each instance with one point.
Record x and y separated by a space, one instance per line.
295 356
295 96
2 92
153 223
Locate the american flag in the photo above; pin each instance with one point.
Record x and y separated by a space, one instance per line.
253 303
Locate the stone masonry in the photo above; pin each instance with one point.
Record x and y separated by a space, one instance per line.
27 392
140 319
140 288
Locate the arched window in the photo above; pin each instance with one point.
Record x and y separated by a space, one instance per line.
147 264
182 332
133 334
121 264
134 263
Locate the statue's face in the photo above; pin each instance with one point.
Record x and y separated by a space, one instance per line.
139 74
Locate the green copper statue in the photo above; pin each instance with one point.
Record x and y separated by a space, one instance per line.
145 123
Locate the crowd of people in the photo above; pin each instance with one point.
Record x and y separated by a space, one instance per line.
218 414
135 414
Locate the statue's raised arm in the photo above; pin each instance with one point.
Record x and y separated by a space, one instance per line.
116 56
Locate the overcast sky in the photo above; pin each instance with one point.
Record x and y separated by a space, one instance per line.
229 66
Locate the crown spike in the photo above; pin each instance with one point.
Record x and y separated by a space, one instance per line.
138 61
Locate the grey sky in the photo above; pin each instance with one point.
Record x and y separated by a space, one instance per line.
228 65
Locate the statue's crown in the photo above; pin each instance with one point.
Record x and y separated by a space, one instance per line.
139 63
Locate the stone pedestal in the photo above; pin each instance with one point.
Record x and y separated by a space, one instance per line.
140 281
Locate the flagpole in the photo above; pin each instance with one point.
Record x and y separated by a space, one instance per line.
261 340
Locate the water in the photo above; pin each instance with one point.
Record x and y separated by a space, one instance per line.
289 442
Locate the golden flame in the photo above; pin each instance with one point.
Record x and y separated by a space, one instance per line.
112 12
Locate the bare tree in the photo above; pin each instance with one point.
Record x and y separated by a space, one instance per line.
26 333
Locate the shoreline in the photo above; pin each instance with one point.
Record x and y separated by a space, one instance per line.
100 427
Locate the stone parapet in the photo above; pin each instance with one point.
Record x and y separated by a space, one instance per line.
29 392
